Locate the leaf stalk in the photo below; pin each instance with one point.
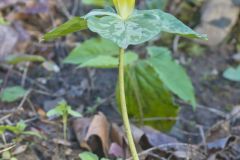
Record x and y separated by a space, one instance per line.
123 106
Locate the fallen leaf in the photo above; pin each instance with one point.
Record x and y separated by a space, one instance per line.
99 129
220 144
116 150
93 134
156 137
20 149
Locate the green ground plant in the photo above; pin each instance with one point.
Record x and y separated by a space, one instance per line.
64 110
19 130
139 80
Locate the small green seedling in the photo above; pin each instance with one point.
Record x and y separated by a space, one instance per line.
19 129
64 110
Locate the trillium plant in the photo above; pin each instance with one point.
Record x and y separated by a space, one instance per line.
125 26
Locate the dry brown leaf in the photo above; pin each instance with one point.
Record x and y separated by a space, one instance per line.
220 130
99 128
93 134
156 137
116 134
20 149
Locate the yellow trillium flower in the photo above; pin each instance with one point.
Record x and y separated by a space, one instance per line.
124 7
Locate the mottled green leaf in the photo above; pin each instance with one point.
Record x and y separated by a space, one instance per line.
147 97
134 30
140 27
16 59
170 24
73 25
12 94
173 76
232 74
98 53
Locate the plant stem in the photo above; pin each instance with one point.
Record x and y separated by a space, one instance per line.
65 117
124 106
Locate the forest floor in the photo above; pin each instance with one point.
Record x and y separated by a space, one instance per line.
209 132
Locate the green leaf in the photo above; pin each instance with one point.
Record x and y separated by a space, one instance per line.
232 74
146 94
73 25
12 94
173 76
98 53
34 133
2 21
136 29
88 156
74 113
100 3
170 24
21 125
63 109
16 59
91 49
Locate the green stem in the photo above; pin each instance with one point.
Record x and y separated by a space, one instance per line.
65 117
124 107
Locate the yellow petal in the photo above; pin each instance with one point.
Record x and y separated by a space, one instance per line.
124 7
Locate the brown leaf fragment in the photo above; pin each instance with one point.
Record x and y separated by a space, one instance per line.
61 142
221 143
116 150
116 134
156 137
99 130
80 126
20 149
220 130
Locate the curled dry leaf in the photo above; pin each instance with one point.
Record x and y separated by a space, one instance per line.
156 137
93 135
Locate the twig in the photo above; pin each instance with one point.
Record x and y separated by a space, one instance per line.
20 106
8 148
64 9
25 74
201 131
